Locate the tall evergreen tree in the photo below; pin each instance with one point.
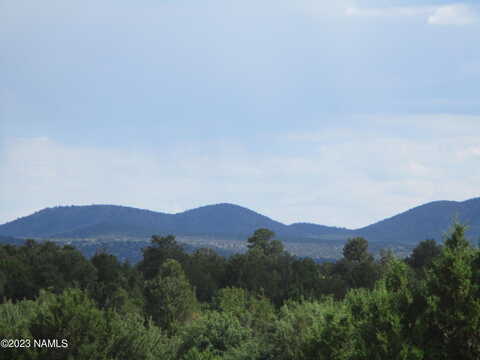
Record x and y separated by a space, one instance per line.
170 300
452 294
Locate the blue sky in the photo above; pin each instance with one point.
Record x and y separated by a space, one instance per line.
339 113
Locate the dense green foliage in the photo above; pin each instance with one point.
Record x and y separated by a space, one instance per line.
264 304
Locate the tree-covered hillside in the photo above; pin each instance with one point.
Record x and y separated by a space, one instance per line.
263 304
429 221
230 222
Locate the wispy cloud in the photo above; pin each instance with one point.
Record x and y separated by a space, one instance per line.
452 14
104 80
457 14
349 176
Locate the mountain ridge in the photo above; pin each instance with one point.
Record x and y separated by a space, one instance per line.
430 220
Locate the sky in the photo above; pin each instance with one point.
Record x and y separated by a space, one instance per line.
333 112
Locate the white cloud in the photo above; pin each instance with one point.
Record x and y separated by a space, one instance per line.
453 14
346 177
457 14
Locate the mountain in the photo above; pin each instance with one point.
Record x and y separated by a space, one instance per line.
85 221
110 220
432 220
429 221
226 221
314 231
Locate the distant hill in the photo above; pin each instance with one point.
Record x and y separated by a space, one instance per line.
314 231
7 240
110 221
431 220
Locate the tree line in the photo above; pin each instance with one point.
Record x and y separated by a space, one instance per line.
263 304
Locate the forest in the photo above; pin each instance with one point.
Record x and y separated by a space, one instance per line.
262 304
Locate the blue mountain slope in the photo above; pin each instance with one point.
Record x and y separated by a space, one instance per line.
431 220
